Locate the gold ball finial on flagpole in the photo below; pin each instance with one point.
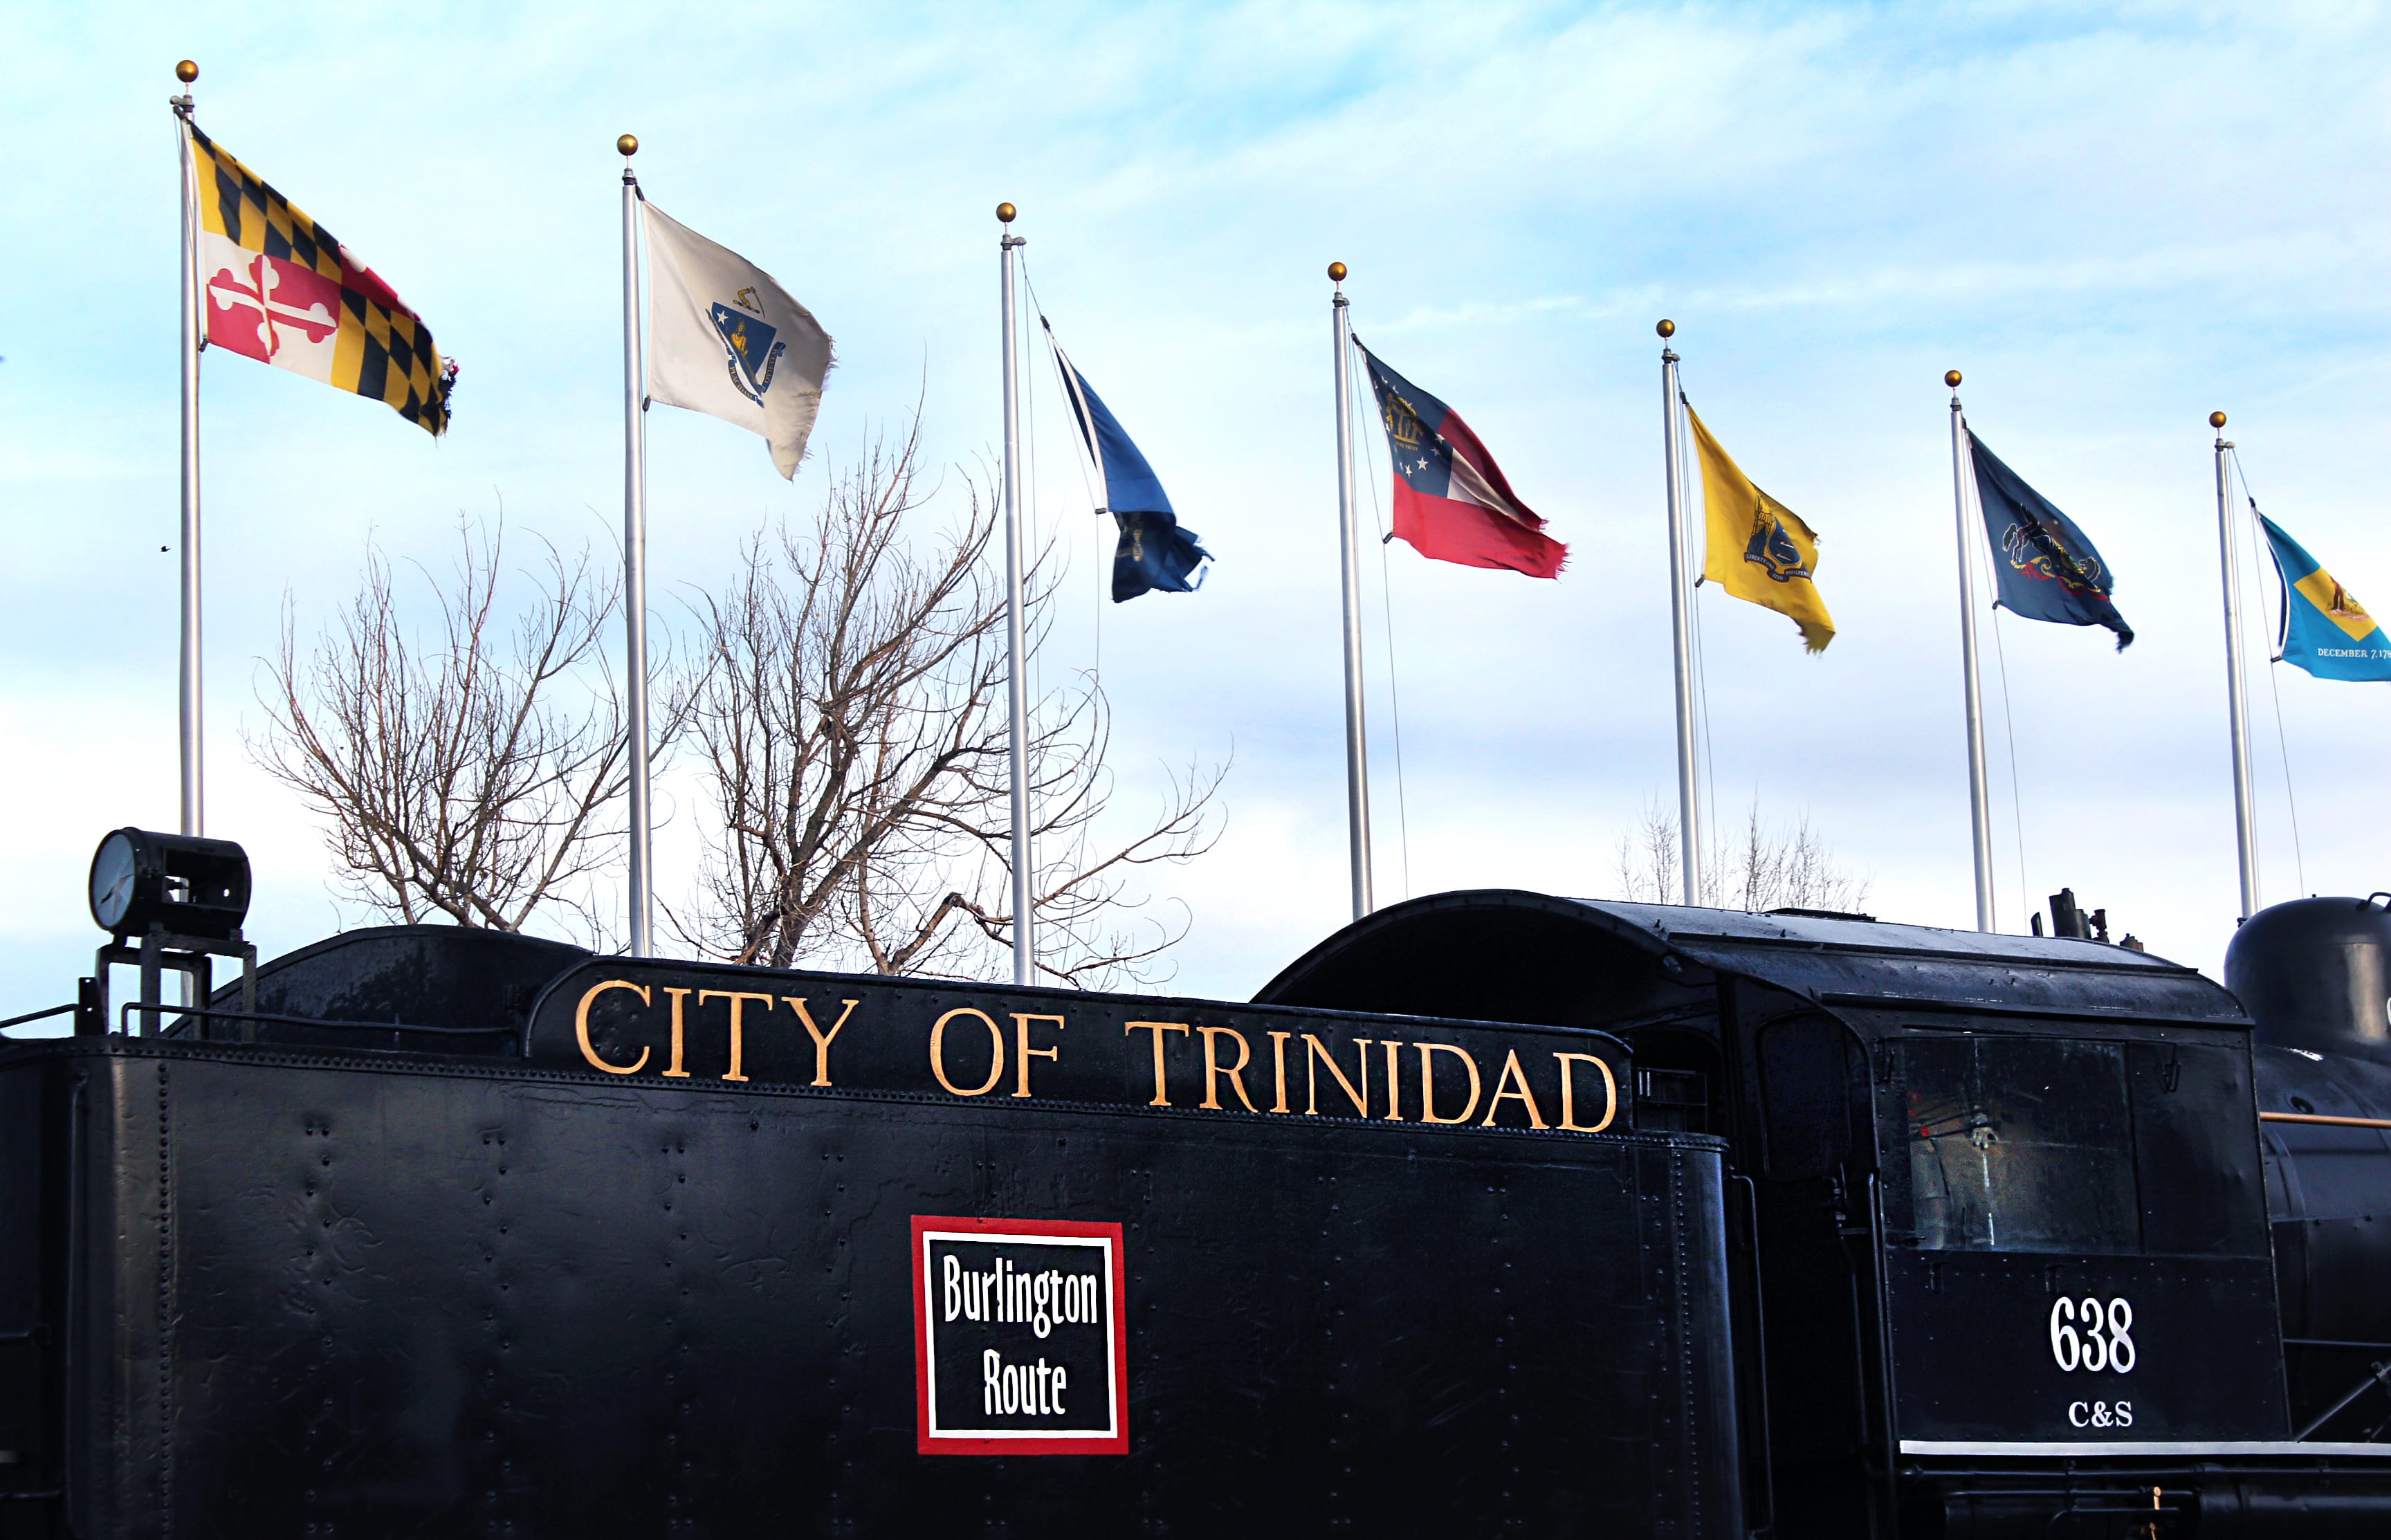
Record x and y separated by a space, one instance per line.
2217 420
1005 212
1951 378
1667 329
1337 271
186 71
628 145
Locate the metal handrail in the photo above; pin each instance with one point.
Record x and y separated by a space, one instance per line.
2326 1118
125 1012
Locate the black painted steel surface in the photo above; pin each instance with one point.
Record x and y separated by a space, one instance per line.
369 1293
2314 974
1449 938
1982 1246
1978 1165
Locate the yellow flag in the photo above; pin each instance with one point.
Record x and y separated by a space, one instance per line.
1760 549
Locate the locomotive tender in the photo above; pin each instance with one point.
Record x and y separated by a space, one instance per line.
1494 1214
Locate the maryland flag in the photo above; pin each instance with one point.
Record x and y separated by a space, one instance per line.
1760 549
279 288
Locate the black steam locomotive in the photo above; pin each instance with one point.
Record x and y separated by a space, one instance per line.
1495 1213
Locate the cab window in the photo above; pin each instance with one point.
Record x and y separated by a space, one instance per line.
2020 1143
2031 1142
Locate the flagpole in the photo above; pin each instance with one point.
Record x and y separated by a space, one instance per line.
2245 831
1357 740
1689 828
194 323
635 562
1016 672
1980 807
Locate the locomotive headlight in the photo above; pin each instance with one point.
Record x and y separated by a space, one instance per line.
179 883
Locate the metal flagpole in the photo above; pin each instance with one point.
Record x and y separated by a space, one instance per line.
635 559
1689 826
1357 740
1980 806
194 774
2245 831
1016 674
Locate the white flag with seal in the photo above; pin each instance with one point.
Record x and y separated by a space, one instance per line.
724 340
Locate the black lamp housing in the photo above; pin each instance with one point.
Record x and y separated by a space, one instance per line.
181 885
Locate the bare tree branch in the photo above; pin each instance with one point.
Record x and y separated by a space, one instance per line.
474 781
1769 867
851 705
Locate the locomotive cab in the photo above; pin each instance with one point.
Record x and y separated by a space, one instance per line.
2005 1226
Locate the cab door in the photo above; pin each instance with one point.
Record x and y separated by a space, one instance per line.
2075 1239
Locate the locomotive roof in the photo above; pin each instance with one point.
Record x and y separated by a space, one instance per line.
1851 960
1487 954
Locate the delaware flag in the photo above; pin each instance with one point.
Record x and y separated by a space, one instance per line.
2045 566
1759 549
279 288
2325 630
1154 554
1452 503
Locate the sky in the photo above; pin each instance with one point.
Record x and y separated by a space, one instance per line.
2112 219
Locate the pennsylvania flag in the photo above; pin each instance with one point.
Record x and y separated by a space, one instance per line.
1452 503
1759 549
277 287
2045 567
2325 630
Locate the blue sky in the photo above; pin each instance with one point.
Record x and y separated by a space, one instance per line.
2114 219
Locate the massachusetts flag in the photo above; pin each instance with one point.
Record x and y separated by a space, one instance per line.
1452 503
1154 554
279 288
724 340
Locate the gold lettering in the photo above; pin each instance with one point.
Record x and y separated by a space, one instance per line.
1278 1060
822 1040
738 999
1313 1054
1157 1029
1236 1072
1513 1075
581 1024
1394 1083
996 1050
1568 1094
679 998
1428 1081
1023 1053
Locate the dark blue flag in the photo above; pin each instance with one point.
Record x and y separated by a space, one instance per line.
1153 551
2046 569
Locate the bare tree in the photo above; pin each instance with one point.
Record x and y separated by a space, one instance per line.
1768 867
473 780
1648 860
851 710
